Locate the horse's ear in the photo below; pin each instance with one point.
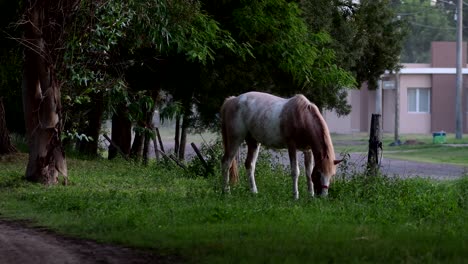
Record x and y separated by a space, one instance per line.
337 161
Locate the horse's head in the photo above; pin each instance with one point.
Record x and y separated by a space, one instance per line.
322 178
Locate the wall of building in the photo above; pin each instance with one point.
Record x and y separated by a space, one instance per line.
413 123
345 124
388 110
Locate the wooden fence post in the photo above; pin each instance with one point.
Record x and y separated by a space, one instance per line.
374 145
159 139
200 156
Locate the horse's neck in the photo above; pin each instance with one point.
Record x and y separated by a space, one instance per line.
321 146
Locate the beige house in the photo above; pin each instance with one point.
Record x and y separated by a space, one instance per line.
426 92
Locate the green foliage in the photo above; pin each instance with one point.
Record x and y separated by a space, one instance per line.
288 58
279 34
382 41
212 152
426 23
369 220
170 111
113 44
181 27
92 43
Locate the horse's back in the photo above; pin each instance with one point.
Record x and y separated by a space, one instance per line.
257 114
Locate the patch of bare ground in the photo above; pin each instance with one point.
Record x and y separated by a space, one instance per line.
21 243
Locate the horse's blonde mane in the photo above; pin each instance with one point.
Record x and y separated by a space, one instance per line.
328 166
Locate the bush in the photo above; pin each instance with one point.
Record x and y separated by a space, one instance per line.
212 152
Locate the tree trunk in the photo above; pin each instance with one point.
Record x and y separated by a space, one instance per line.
5 142
93 128
121 133
137 146
41 96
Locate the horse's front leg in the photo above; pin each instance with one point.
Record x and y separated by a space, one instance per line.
250 161
308 171
294 171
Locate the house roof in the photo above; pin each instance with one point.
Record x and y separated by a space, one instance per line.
409 68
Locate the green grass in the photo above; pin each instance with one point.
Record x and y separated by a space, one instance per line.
373 220
424 150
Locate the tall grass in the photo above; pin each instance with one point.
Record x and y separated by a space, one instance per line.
169 210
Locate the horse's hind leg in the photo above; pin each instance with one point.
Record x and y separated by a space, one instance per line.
294 171
308 171
253 148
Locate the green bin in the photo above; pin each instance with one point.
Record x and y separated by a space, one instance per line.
439 137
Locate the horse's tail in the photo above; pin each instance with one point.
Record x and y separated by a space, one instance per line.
233 172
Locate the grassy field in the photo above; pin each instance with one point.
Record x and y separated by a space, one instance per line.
170 211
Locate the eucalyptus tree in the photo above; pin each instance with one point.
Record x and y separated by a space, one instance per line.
44 24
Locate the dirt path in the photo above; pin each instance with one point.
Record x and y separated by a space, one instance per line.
21 244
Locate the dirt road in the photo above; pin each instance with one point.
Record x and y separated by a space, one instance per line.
22 244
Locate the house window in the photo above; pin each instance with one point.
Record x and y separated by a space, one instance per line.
419 100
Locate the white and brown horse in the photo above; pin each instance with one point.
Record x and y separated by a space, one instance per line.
295 124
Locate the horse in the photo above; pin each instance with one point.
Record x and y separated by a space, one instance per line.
278 123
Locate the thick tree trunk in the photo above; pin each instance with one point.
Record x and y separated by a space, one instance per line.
6 147
121 133
93 127
41 100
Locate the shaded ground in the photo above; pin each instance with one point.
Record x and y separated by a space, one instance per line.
21 244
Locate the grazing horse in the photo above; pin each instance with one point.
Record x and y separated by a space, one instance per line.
295 124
